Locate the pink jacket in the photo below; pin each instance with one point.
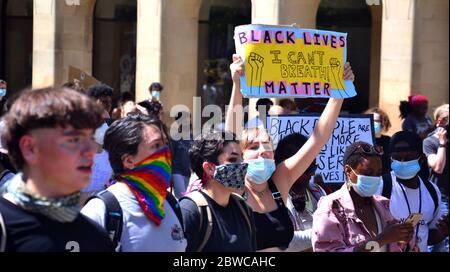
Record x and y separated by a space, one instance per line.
339 229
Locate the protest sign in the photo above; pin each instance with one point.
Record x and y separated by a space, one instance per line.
348 129
85 79
287 61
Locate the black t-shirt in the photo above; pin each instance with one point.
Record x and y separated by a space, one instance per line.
430 146
32 232
230 231
384 141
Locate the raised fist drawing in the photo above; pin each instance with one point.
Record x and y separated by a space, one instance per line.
336 71
256 63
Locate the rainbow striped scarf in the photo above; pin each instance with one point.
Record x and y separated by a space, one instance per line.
149 182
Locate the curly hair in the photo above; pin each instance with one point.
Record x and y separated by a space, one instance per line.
207 148
385 122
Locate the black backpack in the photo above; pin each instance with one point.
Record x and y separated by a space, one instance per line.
114 214
387 189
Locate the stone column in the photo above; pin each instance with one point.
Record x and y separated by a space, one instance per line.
74 38
148 46
62 36
430 55
396 57
44 40
375 50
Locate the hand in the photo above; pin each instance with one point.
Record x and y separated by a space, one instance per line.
442 135
348 72
395 232
442 225
237 68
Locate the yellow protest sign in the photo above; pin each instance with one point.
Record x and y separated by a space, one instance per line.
285 61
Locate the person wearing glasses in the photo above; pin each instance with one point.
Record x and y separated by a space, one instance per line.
354 219
303 196
409 192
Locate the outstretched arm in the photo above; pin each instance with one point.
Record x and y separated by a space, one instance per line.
234 116
292 168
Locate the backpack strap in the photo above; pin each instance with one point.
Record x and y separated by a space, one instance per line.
432 192
4 174
3 234
113 216
244 209
387 185
175 207
203 207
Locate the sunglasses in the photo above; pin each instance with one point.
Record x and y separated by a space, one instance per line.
369 150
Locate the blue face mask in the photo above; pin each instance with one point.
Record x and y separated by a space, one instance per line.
366 186
377 128
2 92
260 170
405 170
156 94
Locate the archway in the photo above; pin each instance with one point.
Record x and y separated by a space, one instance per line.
16 43
364 37
217 21
114 49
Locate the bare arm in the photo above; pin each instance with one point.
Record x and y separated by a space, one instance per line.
292 168
437 161
234 116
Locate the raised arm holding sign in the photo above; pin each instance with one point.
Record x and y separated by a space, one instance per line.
256 143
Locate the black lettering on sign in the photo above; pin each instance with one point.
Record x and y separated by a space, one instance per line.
364 128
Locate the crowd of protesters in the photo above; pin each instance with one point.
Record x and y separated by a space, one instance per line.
80 175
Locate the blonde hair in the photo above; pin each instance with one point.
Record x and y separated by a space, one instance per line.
440 111
251 134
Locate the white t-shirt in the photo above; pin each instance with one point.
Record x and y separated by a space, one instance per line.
399 207
101 173
140 234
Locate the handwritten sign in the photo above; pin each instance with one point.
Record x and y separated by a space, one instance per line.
348 129
85 79
284 61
